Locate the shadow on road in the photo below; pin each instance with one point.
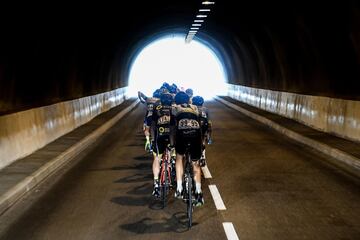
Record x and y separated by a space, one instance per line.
144 189
131 201
176 223
135 178
140 166
144 158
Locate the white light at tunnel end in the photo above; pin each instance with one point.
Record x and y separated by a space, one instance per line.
175 60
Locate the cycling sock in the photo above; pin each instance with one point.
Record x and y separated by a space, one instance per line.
179 186
198 187
156 180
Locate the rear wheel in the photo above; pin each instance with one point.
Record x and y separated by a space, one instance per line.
164 185
189 186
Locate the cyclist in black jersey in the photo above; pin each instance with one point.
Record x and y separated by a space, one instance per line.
205 125
188 130
149 101
163 129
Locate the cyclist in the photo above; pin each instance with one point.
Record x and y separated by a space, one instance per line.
205 125
187 131
149 101
189 92
162 127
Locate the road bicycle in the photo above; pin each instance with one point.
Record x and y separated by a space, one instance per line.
167 175
188 185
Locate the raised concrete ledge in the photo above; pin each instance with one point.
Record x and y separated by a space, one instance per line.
331 115
17 191
24 132
349 162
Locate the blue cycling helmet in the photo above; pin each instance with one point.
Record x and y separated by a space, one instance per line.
189 92
181 97
163 90
173 89
157 93
166 99
174 85
198 101
165 85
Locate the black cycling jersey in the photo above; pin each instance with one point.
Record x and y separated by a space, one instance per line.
188 129
150 103
162 127
162 119
187 119
204 119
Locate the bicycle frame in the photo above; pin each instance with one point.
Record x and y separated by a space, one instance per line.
165 175
188 180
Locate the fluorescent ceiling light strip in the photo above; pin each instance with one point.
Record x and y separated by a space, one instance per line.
201 16
196 25
208 3
198 20
204 10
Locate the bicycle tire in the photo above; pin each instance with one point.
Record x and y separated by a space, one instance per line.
164 186
189 192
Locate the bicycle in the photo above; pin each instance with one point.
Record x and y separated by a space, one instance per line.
189 186
167 175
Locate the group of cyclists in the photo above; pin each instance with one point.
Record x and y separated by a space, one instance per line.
176 119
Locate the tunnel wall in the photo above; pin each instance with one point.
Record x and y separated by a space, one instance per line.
304 47
332 115
24 132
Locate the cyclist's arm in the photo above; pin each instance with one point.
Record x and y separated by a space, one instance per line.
209 133
142 97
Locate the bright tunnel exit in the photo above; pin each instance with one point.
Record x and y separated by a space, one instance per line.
188 65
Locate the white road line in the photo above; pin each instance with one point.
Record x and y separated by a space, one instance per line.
217 198
206 172
230 231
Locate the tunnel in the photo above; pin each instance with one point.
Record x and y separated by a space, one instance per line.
302 47
296 63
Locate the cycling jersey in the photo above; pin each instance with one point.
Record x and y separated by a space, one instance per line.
188 129
162 127
204 119
150 102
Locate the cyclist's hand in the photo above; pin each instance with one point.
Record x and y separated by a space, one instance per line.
210 141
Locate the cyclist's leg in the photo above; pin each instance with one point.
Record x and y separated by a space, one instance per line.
203 147
172 141
196 147
179 165
146 130
156 169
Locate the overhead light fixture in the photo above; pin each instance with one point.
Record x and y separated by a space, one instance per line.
196 25
208 3
198 20
192 31
194 28
204 10
201 16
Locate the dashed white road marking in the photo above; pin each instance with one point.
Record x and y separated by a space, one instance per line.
230 231
217 198
228 226
206 172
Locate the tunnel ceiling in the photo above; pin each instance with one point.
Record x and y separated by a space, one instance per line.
52 52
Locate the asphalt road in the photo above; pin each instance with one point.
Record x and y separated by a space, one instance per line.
271 187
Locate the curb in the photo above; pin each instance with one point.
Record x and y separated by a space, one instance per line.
346 160
15 193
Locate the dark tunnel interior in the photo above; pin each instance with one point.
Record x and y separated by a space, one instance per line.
52 52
